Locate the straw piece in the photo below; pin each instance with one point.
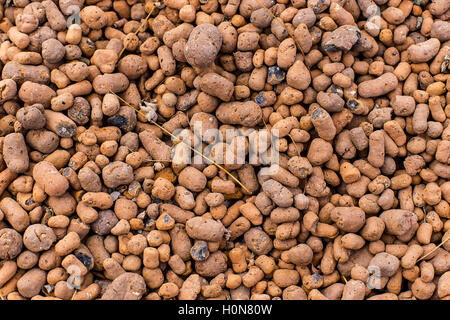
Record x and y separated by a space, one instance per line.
180 140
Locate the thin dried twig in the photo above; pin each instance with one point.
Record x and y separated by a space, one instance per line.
265 124
295 144
437 247
181 140
74 293
139 29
